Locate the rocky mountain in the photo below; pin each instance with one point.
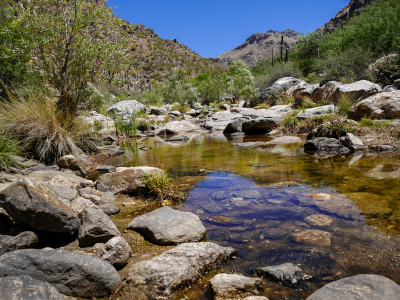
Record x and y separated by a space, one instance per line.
353 8
259 46
152 58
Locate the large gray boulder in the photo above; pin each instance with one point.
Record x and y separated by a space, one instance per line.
176 127
326 93
71 274
24 240
280 85
219 120
126 180
158 111
166 226
316 111
234 286
380 106
358 90
365 287
234 126
261 125
126 107
178 268
32 202
96 227
325 144
26 288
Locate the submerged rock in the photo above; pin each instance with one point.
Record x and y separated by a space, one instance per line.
70 273
365 287
287 272
166 226
312 237
234 286
177 268
319 220
26 288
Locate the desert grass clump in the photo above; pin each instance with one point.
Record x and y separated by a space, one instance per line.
158 185
39 127
344 103
9 148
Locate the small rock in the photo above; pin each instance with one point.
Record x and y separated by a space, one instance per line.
116 252
109 209
319 220
234 286
106 169
352 142
286 272
68 162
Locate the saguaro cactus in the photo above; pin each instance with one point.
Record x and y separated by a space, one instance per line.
282 49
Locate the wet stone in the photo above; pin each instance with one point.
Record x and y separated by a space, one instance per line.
220 195
274 233
238 238
287 272
274 201
224 223
238 202
250 194
312 237
319 220
214 208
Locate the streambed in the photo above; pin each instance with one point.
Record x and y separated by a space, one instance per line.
335 217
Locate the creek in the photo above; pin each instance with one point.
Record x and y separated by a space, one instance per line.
335 217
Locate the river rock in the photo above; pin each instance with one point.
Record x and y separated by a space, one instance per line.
234 286
178 138
353 142
319 220
380 106
305 93
68 162
234 126
125 180
284 140
26 288
219 120
178 268
64 187
96 227
312 237
116 252
80 203
176 127
388 88
32 202
70 273
280 85
24 240
126 108
325 144
109 209
287 272
255 298
326 93
316 111
358 90
48 175
298 87
166 226
158 111
363 286
106 169
261 125
396 84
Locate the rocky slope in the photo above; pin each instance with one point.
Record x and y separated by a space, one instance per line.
353 8
259 46
152 58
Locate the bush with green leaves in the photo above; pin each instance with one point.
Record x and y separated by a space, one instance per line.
272 74
9 148
240 81
69 44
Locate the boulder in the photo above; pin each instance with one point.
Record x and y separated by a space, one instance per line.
234 126
96 119
388 88
116 252
363 286
280 85
126 107
316 111
234 286
261 125
308 92
68 162
125 180
64 187
70 273
96 227
380 106
396 84
80 203
357 90
298 87
326 93
166 226
322 144
48 175
158 111
26 288
24 240
109 209
353 142
5 221
219 120
176 127
178 268
32 202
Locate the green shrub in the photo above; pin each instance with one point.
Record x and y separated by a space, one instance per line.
9 147
158 185
344 104
126 127
272 74
366 122
290 120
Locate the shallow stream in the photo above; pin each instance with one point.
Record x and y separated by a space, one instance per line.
264 202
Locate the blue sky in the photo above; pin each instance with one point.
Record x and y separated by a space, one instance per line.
213 27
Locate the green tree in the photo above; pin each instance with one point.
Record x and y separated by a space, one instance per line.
241 81
177 89
69 43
